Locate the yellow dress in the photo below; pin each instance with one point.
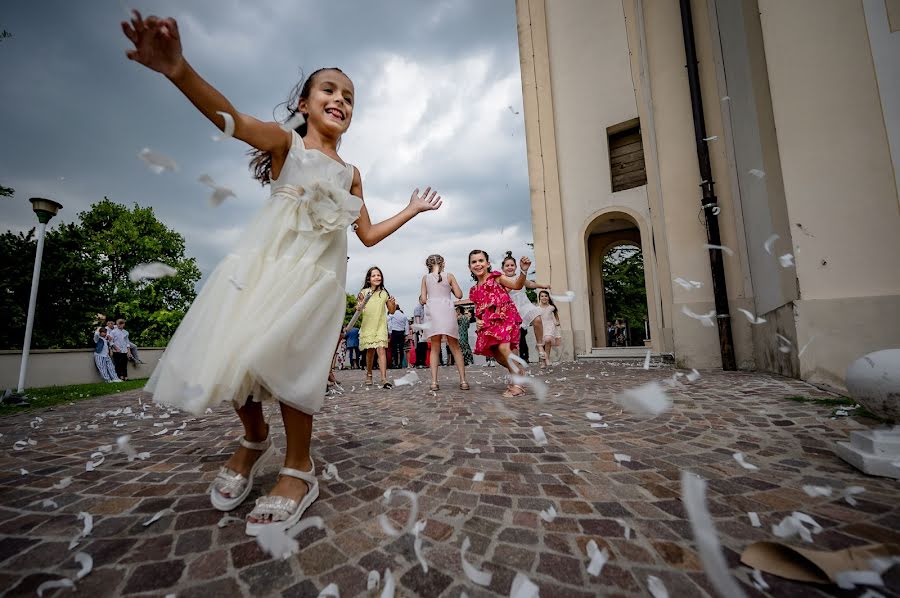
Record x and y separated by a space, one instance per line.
373 331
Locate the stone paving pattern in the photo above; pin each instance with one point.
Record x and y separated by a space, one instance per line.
362 433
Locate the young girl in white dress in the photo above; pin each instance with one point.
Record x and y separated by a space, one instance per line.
290 262
550 320
530 313
440 317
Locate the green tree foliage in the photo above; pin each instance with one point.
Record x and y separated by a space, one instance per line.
351 309
7 191
623 285
85 271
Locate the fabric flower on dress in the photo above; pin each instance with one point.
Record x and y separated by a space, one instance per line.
321 207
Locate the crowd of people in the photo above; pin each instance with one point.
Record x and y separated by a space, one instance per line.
113 350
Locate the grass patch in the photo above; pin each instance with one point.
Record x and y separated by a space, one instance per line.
49 396
838 403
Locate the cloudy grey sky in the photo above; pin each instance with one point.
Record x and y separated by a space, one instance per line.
439 103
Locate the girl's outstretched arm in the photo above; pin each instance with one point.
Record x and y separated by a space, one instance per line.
530 284
157 45
518 282
454 286
372 234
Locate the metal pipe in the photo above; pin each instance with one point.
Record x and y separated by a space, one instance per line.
32 301
709 202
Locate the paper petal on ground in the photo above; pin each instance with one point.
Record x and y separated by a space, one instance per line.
151 271
621 458
330 472
545 414
600 425
417 544
226 519
49 503
754 519
757 173
159 515
693 497
404 421
373 581
625 527
816 491
63 483
537 385
793 525
23 471
648 399
472 451
20 445
769 245
294 121
850 491
156 162
522 587
88 523
786 260
847 580
548 514
95 462
124 447
330 590
410 378
539 435
410 520
705 319
478 477
726 250
758 582
275 541
54 585
656 587
593 416
567 297
739 457
598 558
753 318
390 586
228 131
86 562
481 578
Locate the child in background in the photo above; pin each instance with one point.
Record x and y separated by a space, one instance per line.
496 317
550 317
373 332
101 356
440 317
530 313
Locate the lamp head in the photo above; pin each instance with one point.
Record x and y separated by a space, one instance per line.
44 208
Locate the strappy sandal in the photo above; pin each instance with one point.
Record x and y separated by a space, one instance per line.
230 488
368 379
386 385
464 385
282 511
514 390
434 387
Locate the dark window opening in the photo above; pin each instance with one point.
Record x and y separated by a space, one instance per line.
626 155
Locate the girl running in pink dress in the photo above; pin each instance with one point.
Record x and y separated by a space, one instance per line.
496 318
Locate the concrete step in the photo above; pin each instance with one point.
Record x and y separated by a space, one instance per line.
625 353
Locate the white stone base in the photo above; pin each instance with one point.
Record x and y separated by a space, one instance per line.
875 452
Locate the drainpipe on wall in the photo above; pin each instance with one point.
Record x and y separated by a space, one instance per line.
709 201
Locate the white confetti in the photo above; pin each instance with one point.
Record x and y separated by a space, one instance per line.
219 193
803 348
684 284
228 131
96 461
86 530
646 400
20 445
786 260
296 120
693 376
49 503
625 527
793 525
757 173
784 343
417 543
847 580
712 138
143 456
537 385
331 590
593 416
600 425
522 587
545 414
739 457
716 211
481 578
330 472
598 558
228 519
539 437
656 587
373 581
567 297
23 471
693 497
478 477
754 519
161 432
390 585
408 380
513 358
86 562
473 451
751 317
548 514
758 582
726 250
54 585
404 421
157 162
769 245
621 458
36 422
816 491
647 360
151 271
159 515
705 319
280 543
410 520
63 483
125 447
850 491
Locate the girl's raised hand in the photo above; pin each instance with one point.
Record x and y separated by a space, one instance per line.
524 264
157 44
429 200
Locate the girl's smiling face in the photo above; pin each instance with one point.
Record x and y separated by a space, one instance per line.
544 298
479 265
509 267
329 107
375 278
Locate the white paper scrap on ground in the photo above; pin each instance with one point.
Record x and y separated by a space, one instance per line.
539 435
793 525
598 558
816 491
390 586
228 130
593 416
625 527
478 477
707 319
86 562
96 461
156 162
739 457
49 503
522 587
330 472
656 587
472 451
647 400
409 379
373 581
481 578
85 531
226 519
847 580
621 458
850 491
219 193
417 543
63 483
159 515
151 271
410 520
331 590
404 421
754 519
758 582
548 514
54 584
567 297
693 497
726 250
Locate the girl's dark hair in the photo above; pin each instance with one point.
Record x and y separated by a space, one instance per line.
487 258
368 281
508 256
261 162
549 298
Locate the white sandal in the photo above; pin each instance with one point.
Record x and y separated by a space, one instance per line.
234 484
282 511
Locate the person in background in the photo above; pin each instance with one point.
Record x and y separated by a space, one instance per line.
120 342
101 356
462 319
610 335
352 339
398 328
421 337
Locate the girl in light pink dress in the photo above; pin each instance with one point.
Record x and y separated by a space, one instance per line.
440 317
550 317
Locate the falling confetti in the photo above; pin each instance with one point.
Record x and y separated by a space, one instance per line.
219 193
712 138
751 317
539 437
228 131
803 348
513 110
816 491
739 457
481 578
239 286
656 587
647 400
567 297
598 558
726 250
513 358
536 384
151 271
410 520
548 514
647 361
793 525
757 173
706 319
417 543
784 343
716 211
758 582
522 587
281 543
693 376
786 260
850 491
125 447
297 119
156 162
769 245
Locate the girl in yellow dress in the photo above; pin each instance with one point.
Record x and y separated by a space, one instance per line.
373 333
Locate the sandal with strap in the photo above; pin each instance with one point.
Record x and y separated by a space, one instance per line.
514 390
230 488
387 385
464 385
368 379
282 511
434 387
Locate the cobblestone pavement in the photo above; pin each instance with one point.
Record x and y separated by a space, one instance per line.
409 438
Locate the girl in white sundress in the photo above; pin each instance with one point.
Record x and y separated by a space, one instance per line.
530 313
290 262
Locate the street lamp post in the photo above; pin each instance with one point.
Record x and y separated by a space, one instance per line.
45 209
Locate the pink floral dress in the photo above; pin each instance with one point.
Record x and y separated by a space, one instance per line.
498 313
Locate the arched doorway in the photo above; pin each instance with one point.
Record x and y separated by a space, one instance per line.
617 281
